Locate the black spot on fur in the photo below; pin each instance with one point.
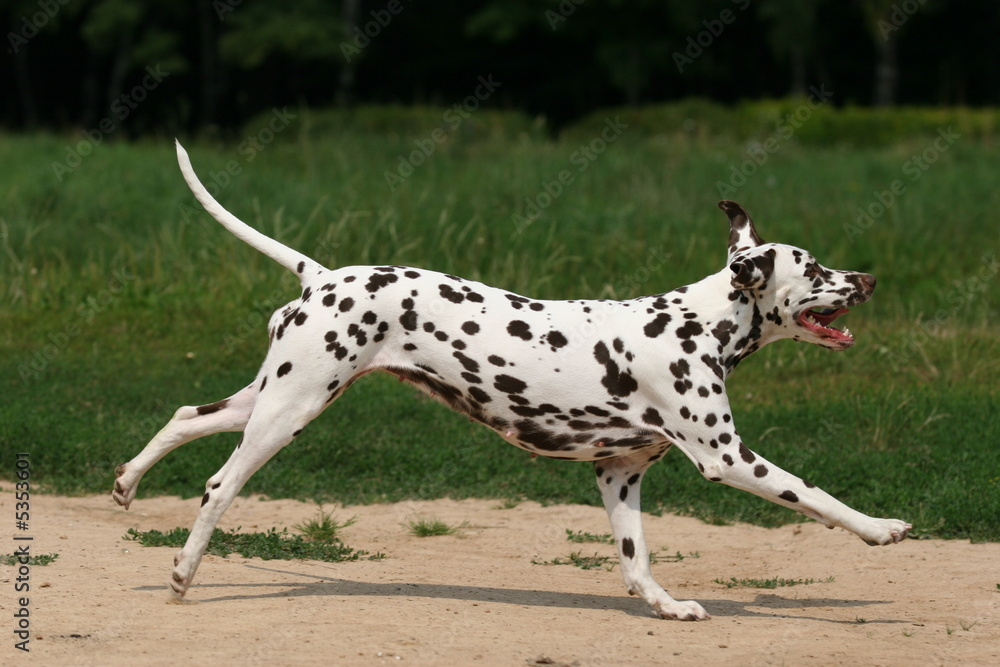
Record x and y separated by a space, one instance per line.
469 364
616 382
652 416
346 304
689 330
213 407
519 329
449 293
509 385
680 368
284 369
496 361
380 280
409 320
470 328
657 326
628 547
556 339
789 496
480 395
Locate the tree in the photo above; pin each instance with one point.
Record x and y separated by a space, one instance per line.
792 35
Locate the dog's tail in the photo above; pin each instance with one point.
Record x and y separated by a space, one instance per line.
291 259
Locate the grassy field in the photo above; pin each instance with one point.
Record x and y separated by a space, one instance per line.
120 301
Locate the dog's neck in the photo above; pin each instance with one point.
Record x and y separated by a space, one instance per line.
742 321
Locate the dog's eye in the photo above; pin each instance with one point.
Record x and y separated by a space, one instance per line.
812 270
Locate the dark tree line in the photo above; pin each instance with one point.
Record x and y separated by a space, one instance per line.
212 63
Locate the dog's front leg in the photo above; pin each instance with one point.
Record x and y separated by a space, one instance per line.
619 480
733 463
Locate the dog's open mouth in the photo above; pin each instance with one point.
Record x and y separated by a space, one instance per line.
818 321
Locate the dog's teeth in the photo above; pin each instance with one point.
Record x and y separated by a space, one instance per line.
847 332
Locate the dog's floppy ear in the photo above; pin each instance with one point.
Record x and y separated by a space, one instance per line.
753 272
742 234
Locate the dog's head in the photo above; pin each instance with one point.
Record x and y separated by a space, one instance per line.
797 295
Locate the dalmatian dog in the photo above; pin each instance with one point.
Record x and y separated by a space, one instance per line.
617 383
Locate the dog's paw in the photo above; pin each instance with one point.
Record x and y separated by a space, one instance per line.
125 487
886 531
124 491
681 610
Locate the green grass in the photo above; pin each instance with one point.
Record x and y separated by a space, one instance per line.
324 527
773 582
272 545
581 536
121 302
41 559
432 527
577 559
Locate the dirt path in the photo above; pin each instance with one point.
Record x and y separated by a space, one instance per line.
477 599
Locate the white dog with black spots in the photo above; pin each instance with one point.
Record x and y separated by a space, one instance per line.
647 375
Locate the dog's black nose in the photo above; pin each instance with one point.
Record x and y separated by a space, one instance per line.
868 280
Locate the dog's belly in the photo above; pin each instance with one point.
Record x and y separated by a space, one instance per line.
552 377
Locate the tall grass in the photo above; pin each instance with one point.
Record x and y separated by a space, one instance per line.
120 300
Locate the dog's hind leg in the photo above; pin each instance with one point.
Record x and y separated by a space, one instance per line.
619 480
188 423
272 426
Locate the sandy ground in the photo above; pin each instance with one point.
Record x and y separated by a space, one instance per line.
477 599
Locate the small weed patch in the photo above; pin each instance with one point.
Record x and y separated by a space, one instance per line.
433 527
583 536
41 559
774 582
272 545
577 559
324 527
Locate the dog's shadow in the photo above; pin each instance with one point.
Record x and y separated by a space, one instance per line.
764 606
